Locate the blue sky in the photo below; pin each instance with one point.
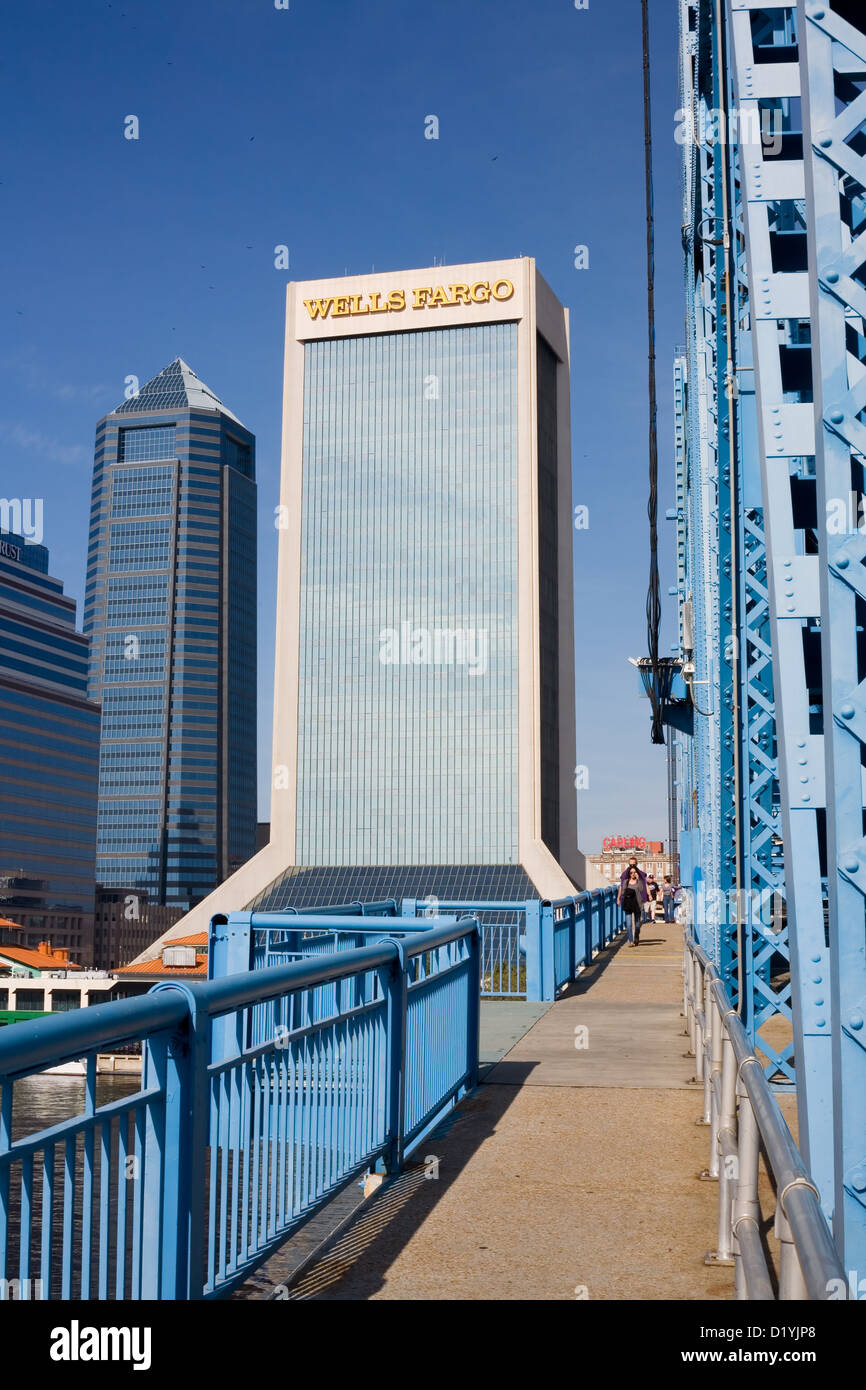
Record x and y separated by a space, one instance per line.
305 127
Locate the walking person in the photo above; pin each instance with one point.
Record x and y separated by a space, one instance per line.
632 864
631 896
652 889
669 893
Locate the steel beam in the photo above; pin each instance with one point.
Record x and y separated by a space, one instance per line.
833 62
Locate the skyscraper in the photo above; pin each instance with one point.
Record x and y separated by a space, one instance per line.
49 750
424 715
171 615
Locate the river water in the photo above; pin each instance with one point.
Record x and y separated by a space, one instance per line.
42 1101
39 1103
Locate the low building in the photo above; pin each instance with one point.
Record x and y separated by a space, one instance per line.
125 923
617 850
45 980
181 957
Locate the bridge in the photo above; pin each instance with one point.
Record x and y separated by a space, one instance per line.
356 1045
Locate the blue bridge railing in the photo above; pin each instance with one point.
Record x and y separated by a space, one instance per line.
244 941
236 1135
531 949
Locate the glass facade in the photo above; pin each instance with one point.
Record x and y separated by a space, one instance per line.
407 742
147 443
323 887
171 610
49 748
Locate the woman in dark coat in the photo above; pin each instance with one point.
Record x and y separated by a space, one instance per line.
632 896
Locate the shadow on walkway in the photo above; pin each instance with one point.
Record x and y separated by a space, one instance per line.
362 1255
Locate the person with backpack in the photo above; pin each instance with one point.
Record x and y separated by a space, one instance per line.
669 893
631 896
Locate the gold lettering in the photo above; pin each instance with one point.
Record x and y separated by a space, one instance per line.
318 308
423 297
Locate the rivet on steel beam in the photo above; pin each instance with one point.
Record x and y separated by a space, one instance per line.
843 562
820 1022
855 1022
847 711
837 416
858 1182
851 866
832 277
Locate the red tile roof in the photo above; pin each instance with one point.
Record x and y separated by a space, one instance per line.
38 960
156 967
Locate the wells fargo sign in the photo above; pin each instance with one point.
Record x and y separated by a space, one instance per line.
395 301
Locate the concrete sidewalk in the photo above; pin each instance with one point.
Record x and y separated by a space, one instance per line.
570 1173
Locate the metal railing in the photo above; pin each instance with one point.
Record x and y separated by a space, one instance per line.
743 1116
233 1140
531 949
286 934
243 941
581 927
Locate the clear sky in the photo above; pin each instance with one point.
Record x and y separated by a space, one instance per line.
305 127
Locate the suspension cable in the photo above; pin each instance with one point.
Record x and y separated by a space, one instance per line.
653 602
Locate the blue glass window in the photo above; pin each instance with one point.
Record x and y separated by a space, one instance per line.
149 442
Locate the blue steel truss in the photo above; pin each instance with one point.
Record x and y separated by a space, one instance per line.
770 550
722 570
833 65
737 205
766 85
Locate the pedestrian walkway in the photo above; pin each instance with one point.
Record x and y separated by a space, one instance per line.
570 1173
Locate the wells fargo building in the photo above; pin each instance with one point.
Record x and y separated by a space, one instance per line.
424 720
